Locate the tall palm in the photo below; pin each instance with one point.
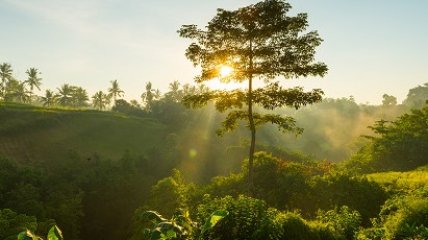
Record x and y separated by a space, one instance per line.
100 100
49 99
189 89
65 95
21 94
5 75
175 94
115 91
202 88
149 96
79 97
33 80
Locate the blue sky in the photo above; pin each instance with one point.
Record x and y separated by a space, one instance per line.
371 47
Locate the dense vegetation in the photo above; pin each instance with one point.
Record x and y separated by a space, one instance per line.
154 169
83 191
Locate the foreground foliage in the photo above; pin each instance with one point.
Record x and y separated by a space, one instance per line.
53 234
239 218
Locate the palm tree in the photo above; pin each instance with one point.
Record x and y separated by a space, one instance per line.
135 103
189 89
33 80
149 96
115 91
5 75
49 99
65 95
175 94
202 88
21 94
100 100
79 97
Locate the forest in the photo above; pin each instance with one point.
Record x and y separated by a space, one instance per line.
195 162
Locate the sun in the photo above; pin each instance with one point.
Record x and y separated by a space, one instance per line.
225 71
219 84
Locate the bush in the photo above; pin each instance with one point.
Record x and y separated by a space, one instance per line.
400 218
366 197
343 220
11 223
408 218
251 218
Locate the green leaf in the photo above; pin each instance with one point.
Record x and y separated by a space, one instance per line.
171 234
28 235
156 235
55 233
213 220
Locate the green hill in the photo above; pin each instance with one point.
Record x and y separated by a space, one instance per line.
406 182
33 134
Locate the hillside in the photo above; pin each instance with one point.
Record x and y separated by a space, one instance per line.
32 134
402 182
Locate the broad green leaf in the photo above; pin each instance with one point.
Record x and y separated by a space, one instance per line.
28 235
55 233
213 220
156 235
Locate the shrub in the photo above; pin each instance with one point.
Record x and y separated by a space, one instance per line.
11 223
343 220
408 218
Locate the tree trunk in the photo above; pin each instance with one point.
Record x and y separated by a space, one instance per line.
253 141
252 127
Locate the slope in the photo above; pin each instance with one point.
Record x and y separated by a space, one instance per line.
32 134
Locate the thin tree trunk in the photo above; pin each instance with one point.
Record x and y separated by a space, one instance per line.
252 126
253 141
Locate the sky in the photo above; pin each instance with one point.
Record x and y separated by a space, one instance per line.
371 47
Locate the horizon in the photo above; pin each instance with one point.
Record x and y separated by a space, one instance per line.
90 44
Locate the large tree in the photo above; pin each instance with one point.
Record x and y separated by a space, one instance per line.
257 42
417 97
33 80
5 75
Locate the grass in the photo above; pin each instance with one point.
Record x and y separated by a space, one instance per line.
29 133
402 181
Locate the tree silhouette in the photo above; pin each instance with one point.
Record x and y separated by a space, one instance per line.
21 94
115 91
100 100
65 95
149 96
417 97
388 100
262 42
79 97
33 80
49 99
5 75
175 93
